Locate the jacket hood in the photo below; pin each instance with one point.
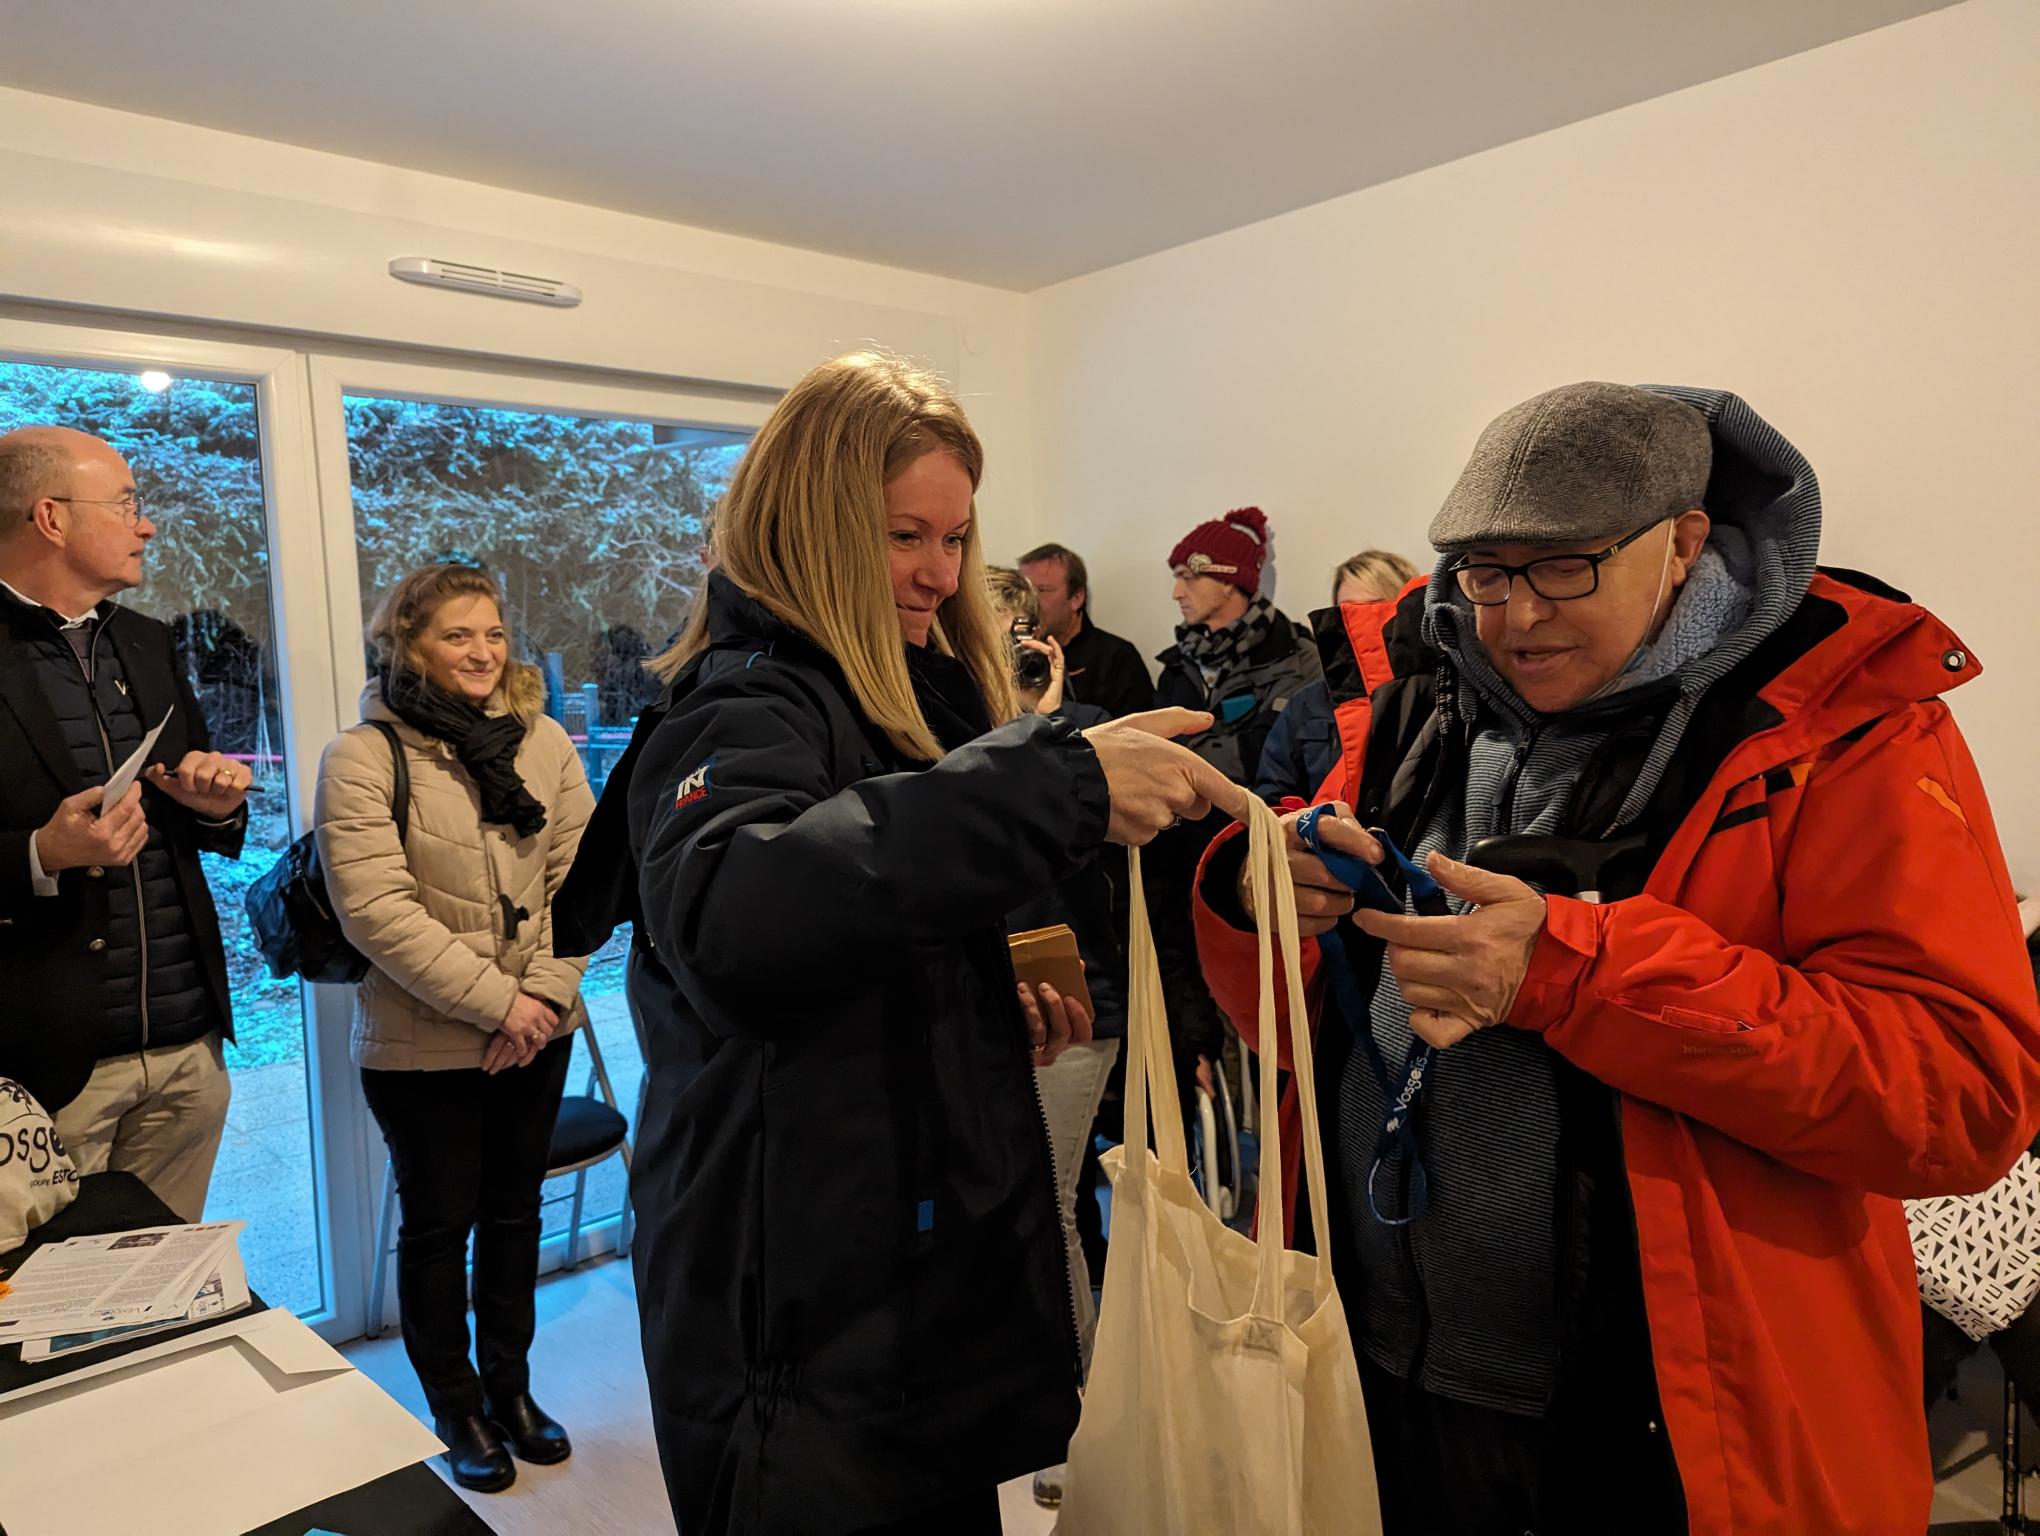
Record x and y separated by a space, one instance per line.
1764 501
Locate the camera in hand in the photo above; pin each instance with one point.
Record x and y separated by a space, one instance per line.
1031 668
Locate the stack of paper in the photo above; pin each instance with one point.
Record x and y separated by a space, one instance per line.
222 1293
147 1279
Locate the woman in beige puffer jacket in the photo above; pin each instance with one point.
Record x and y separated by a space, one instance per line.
461 1024
429 913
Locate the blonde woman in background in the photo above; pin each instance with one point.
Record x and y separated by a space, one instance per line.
1304 744
460 1028
856 1307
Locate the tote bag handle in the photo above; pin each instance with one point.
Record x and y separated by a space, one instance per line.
1152 1102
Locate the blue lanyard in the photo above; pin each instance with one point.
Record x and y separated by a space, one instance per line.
1398 1120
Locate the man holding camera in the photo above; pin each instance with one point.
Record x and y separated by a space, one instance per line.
1102 668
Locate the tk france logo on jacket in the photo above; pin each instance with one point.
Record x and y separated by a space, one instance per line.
694 788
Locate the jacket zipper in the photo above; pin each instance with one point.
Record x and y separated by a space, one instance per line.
1524 748
1444 705
135 868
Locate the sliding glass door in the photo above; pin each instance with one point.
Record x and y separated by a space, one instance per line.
208 431
591 510
291 488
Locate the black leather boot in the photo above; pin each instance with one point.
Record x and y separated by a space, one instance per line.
533 1433
475 1454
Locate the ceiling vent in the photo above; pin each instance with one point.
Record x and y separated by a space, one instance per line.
468 279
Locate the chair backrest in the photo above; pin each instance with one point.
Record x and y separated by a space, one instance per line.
598 1070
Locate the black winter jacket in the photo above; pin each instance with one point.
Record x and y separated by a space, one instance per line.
1246 698
75 957
854 1295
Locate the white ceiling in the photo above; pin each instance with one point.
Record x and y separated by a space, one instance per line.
1012 142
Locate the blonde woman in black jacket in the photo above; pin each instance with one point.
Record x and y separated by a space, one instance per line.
851 1273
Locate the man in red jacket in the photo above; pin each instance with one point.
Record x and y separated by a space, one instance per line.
1724 962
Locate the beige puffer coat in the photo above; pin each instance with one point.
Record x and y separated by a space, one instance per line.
427 912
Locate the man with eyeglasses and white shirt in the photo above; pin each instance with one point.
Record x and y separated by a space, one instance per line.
1702 956
107 927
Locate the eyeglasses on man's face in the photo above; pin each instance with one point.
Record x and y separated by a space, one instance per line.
1555 578
130 506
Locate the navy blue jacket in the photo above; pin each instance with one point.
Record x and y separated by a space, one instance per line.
1302 747
850 1270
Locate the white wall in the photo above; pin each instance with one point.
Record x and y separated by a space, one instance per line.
1847 239
111 211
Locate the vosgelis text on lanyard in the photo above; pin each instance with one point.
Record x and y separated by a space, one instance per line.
1398 1127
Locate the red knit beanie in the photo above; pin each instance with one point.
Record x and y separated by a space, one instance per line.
1230 548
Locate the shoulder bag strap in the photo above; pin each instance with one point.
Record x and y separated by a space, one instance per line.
400 791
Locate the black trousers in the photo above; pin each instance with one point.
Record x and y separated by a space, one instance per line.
1450 1469
975 1514
470 1153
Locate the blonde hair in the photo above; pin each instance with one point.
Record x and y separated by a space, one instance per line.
407 610
1383 574
802 531
1014 593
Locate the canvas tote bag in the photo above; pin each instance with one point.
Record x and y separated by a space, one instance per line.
1224 1399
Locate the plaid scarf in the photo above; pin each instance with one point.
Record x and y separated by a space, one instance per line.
1216 649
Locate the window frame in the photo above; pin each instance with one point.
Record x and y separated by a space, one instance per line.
335 375
315 606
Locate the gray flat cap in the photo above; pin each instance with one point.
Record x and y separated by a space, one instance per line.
1585 461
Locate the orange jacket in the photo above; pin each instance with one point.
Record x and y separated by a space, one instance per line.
1819 1003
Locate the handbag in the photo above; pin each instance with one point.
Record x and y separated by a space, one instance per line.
291 911
1224 1392
1978 1256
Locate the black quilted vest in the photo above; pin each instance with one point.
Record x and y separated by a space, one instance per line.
153 984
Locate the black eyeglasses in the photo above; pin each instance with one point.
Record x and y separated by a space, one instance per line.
130 506
1555 578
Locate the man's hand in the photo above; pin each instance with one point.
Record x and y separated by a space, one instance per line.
1051 698
1155 783
205 783
1054 1023
527 1028
78 836
1321 897
1459 974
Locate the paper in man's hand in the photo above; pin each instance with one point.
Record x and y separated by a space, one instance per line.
125 775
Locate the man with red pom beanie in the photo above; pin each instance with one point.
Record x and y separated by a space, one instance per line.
1235 654
1239 657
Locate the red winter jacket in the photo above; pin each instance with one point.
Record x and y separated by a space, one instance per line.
1818 1004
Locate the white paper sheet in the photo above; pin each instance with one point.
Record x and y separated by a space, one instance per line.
125 775
234 1428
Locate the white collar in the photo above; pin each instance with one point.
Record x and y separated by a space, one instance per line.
68 623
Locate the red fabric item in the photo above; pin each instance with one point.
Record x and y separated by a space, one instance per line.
1809 1013
1232 547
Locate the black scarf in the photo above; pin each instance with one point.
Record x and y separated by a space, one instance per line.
1216 649
485 744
